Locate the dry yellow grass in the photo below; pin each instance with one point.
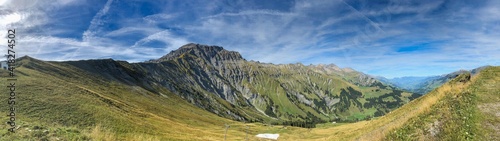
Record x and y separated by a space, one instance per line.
98 133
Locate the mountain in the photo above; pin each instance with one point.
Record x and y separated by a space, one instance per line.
464 108
102 100
423 85
347 74
190 97
222 82
408 82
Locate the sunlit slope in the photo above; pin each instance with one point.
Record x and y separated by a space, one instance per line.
107 99
224 83
449 112
57 101
60 101
471 113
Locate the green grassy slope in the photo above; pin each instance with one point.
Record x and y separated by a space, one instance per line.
59 101
458 110
472 113
62 101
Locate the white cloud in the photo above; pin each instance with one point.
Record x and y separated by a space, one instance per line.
491 12
165 37
158 18
251 12
303 6
60 49
2 2
9 19
96 22
6 22
66 2
132 30
404 7
18 5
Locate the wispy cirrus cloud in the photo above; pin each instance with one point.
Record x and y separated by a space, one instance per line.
162 36
158 18
97 23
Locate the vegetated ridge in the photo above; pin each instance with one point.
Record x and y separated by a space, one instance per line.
465 108
116 100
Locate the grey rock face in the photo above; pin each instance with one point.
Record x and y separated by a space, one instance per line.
349 74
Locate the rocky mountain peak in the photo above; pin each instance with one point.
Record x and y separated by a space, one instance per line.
329 68
349 74
200 46
201 51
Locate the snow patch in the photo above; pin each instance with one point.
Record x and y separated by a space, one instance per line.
269 136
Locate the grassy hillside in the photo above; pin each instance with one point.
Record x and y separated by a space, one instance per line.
60 101
423 85
469 113
458 110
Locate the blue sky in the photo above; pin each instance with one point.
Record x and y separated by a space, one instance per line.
390 38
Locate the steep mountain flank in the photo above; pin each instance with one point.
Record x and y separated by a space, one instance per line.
102 100
224 83
204 75
347 74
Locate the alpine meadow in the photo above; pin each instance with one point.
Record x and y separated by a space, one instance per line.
225 70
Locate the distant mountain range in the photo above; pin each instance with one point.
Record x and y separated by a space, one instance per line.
423 85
